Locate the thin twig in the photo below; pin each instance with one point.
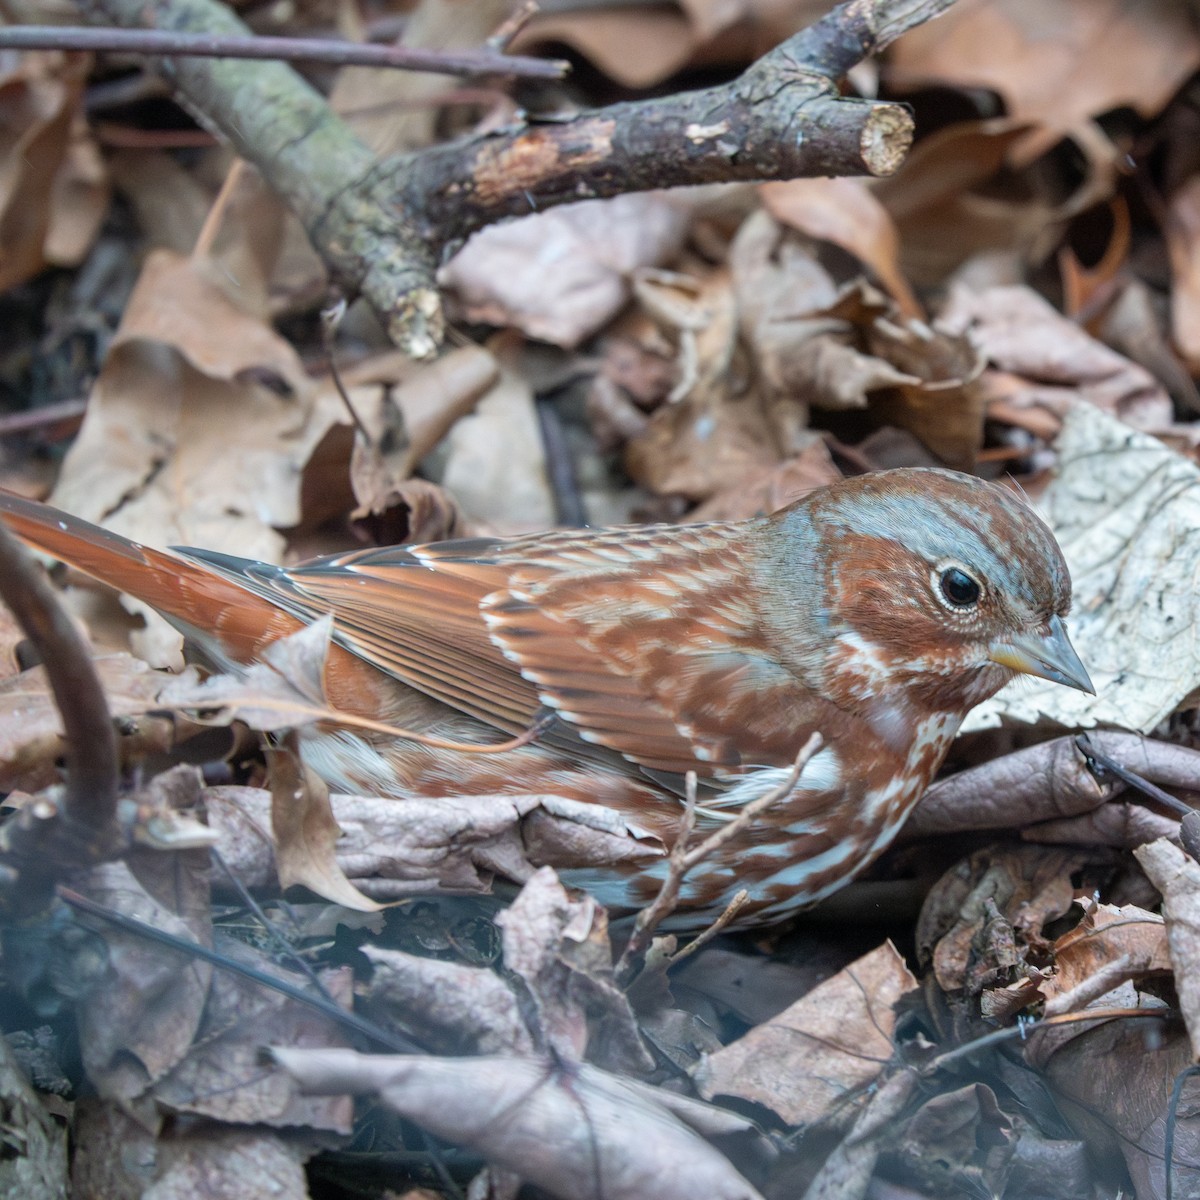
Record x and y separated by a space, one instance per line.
1100 764
331 318
165 43
508 29
735 906
1022 1031
350 1020
89 804
274 932
681 860
38 418
560 467
217 210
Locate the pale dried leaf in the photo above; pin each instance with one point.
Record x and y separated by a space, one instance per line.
1177 877
286 690
1126 511
951 214
1059 65
306 832
558 944
573 1130
407 421
141 1022
35 1164
847 213
30 725
448 1004
418 844
1013 889
200 422
40 99
495 462
1052 363
560 275
1183 242
811 1062
635 47
218 1162
222 1076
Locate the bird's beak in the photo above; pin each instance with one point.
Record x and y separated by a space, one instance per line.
1049 656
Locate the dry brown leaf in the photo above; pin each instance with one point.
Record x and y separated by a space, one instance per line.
970 918
306 831
953 201
496 464
573 1130
1042 782
1106 934
286 690
30 725
141 1022
11 637
197 427
394 111
812 1061
413 511
560 275
448 1005
79 200
558 944
407 421
634 47
1177 877
1057 64
169 202
714 430
959 1141
847 213
1113 1081
1049 361
773 488
40 98
1182 231
222 1076
35 1167
394 847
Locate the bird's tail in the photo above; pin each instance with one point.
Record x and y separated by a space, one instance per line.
201 603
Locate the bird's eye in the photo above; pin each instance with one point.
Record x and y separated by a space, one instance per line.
959 588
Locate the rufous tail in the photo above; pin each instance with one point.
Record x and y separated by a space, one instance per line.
198 601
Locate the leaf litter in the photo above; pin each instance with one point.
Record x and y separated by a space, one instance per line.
1003 1007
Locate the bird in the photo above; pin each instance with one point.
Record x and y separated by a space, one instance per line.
876 611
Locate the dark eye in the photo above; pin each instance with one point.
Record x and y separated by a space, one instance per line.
959 588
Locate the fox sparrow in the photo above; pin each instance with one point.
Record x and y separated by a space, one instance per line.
877 611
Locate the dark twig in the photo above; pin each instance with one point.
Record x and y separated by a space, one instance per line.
331 318
1101 764
560 467
349 1020
334 51
273 931
1172 1121
89 803
1020 1032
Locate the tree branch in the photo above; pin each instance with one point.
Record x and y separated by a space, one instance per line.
36 842
383 228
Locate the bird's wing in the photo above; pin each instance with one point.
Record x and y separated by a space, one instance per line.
641 640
